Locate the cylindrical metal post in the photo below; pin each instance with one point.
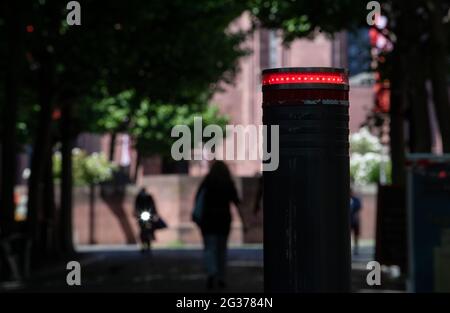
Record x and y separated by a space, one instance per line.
306 200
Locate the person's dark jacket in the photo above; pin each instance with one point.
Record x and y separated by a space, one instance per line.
218 195
144 201
355 207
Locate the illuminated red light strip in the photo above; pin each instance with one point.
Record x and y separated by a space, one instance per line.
304 78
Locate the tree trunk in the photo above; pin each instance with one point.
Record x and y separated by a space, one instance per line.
397 138
420 131
138 164
439 68
399 91
48 234
416 54
42 140
67 139
9 145
112 146
40 148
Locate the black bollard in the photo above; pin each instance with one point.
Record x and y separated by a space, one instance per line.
306 200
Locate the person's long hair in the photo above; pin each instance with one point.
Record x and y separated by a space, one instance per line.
219 172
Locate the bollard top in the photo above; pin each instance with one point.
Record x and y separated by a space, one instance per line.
305 78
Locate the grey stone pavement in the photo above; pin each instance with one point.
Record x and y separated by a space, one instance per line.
126 269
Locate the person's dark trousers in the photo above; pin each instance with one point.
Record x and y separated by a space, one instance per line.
355 228
215 253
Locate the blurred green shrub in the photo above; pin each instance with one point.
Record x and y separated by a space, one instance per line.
367 162
87 169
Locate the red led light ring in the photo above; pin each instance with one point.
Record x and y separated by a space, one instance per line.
299 85
285 78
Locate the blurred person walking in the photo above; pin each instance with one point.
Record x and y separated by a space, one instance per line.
257 205
355 208
212 214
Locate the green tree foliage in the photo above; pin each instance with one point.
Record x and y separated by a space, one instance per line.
153 124
174 52
149 123
300 18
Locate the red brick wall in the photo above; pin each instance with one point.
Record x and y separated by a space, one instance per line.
174 196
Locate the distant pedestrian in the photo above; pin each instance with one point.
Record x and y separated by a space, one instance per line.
215 194
355 208
148 218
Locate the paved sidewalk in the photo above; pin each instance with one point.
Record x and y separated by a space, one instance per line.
126 269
